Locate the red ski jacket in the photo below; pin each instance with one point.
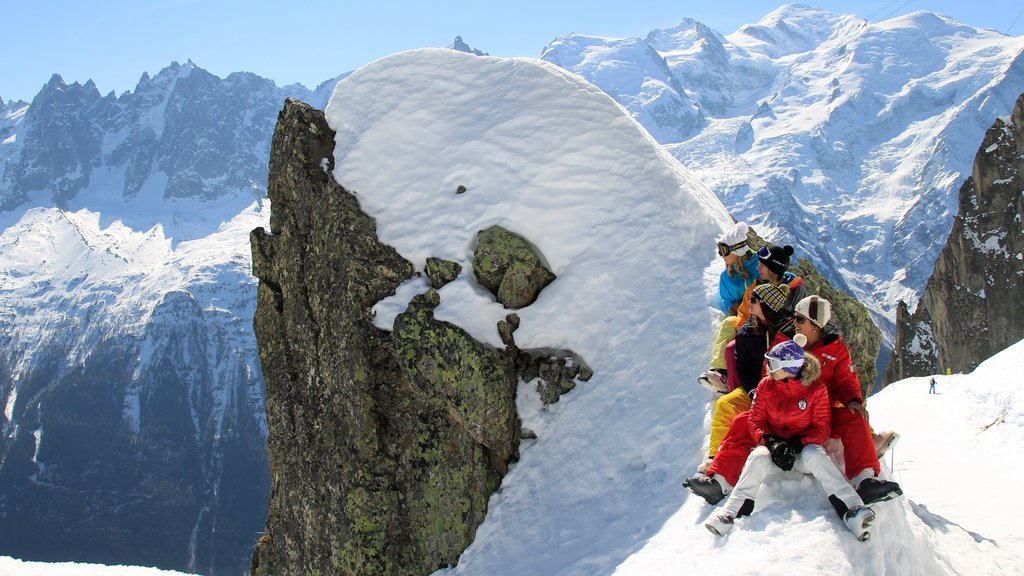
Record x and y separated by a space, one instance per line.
787 408
837 370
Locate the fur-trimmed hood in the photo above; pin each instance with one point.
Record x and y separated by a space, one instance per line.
811 370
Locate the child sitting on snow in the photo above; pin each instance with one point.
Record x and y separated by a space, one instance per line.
790 421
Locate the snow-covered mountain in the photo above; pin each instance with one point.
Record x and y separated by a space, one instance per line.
846 138
133 424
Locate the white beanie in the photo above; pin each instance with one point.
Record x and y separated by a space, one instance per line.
736 239
817 309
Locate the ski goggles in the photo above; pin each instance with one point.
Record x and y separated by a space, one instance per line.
764 252
726 249
776 364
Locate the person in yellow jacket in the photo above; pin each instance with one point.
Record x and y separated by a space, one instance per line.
767 316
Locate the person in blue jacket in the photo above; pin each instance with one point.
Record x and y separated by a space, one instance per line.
740 273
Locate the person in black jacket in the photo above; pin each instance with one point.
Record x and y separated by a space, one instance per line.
767 316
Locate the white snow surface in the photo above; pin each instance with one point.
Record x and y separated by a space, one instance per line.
630 235
12 567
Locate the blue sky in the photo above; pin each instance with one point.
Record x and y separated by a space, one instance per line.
114 41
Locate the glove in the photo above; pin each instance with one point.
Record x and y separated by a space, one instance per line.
796 444
782 453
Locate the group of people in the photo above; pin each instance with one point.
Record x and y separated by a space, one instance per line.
787 386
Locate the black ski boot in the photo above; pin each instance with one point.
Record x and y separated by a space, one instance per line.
873 490
705 487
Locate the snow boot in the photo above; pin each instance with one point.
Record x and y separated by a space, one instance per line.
884 441
714 380
873 490
720 525
858 519
706 488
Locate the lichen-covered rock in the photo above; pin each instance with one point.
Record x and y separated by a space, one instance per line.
970 308
475 383
556 371
508 266
441 271
384 447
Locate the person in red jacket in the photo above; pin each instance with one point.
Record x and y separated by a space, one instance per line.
790 421
848 417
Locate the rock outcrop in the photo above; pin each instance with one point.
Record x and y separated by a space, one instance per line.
971 306
384 447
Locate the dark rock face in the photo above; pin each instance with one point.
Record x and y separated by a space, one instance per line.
509 267
384 447
971 307
206 134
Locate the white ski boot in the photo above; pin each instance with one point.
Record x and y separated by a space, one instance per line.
859 520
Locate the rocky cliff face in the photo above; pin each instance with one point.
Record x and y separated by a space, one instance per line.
971 305
384 447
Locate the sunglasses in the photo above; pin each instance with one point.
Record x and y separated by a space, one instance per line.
776 364
800 319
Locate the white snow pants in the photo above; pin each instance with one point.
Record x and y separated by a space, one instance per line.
811 460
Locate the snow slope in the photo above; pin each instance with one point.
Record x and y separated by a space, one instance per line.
630 234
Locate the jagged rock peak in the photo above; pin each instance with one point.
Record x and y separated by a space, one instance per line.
392 441
970 307
463 47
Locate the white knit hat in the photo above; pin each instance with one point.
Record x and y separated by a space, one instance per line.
736 239
817 309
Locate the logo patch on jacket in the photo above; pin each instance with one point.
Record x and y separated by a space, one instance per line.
802 404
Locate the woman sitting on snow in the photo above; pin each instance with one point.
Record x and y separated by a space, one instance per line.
767 316
790 420
772 265
734 283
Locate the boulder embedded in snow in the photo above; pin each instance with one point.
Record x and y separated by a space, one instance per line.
506 264
441 271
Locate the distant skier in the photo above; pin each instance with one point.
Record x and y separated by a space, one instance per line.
931 387
790 420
